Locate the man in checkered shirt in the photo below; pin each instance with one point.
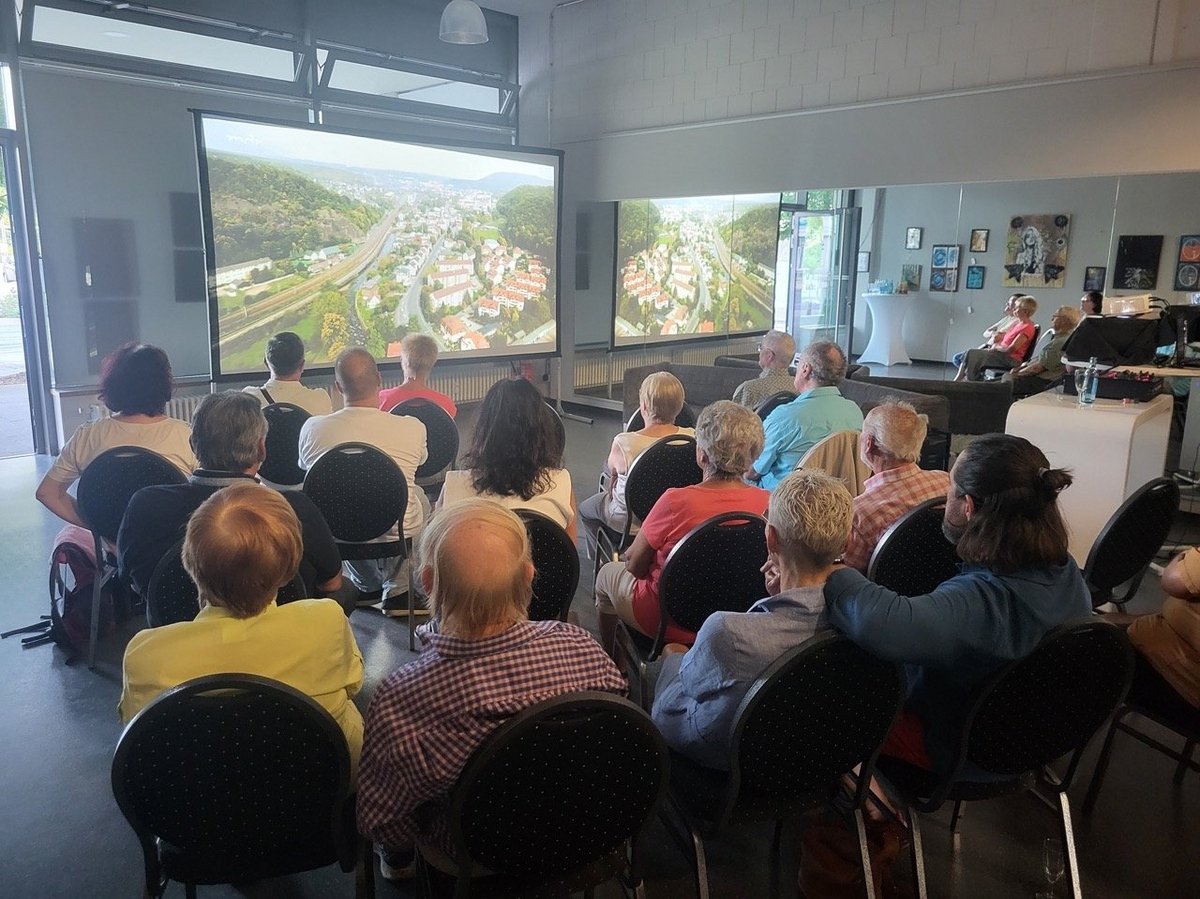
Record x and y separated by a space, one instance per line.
890 444
485 663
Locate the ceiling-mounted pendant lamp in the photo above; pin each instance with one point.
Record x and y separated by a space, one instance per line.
463 23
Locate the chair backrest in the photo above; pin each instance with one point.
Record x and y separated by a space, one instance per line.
441 435
560 429
284 421
773 402
361 492
560 785
670 462
1029 347
1132 536
815 713
685 419
171 595
556 562
714 568
913 557
241 777
1049 703
112 478
838 455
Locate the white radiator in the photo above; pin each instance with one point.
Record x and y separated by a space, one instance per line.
600 368
183 407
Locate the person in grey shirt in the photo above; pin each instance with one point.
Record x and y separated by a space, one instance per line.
775 353
699 689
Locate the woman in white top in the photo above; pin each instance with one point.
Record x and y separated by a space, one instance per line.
135 384
515 457
660 399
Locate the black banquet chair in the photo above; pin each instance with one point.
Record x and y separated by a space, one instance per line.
281 467
716 567
233 778
362 493
818 711
556 563
685 419
105 488
913 556
773 402
1029 714
1129 541
171 595
441 439
670 462
553 800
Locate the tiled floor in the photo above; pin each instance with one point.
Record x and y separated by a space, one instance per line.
63 836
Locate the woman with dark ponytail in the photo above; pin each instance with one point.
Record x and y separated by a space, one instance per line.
1017 583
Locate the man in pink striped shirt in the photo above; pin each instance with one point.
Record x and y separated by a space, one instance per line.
890 444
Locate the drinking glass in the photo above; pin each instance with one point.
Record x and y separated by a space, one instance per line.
1080 382
1052 864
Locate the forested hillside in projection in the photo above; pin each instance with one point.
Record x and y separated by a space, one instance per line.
754 235
261 209
527 220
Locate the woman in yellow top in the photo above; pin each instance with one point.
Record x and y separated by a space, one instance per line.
241 545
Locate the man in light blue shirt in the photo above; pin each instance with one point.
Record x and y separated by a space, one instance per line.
699 689
819 410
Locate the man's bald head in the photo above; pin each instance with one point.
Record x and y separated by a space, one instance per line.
357 376
474 562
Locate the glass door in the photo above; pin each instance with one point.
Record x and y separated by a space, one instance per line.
16 420
817 230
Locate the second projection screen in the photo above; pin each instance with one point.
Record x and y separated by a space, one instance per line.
695 267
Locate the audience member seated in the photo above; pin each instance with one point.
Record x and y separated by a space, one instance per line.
890 445
1017 584
1008 351
700 689
418 353
1167 675
1091 303
242 545
515 457
399 437
819 410
285 360
1045 369
135 385
728 437
486 663
994 331
659 399
229 435
775 353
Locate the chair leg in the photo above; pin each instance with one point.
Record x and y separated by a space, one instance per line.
918 854
1181 769
955 815
1068 841
864 849
94 632
189 890
364 871
412 619
701 866
1089 800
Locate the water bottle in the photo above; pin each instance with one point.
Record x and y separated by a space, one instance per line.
1091 382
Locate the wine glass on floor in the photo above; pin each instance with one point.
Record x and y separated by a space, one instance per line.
1052 865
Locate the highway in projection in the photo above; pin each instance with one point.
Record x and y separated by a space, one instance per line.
753 291
411 304
238 324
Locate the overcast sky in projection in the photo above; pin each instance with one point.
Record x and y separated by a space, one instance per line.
307 145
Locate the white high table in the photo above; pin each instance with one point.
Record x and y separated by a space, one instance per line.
886 345
1111 450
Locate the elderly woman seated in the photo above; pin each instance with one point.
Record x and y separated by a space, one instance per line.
729 438
485 663
242 545
660 398
515 457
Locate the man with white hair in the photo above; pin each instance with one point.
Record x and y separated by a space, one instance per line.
1046 368
699 689
890 445
775 353
485 662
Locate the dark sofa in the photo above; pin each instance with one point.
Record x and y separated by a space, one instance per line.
975 407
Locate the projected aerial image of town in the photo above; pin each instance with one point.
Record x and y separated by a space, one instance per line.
695 266
353 241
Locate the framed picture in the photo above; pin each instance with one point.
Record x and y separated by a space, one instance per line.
1035 254
864 261
943 269
975 277
1093 277
979 244
1187 269
1138 256
912 239
910 274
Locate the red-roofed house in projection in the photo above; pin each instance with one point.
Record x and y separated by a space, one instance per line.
473 340
452 328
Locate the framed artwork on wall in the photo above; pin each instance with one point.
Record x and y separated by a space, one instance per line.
1187 266
1035 253
1093 277
864 260
975 277
912 239
979 242
910 274
1137 261
943 268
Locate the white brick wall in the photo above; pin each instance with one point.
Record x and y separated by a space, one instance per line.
624 64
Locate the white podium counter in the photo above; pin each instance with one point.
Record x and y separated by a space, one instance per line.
886 345
1111 450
